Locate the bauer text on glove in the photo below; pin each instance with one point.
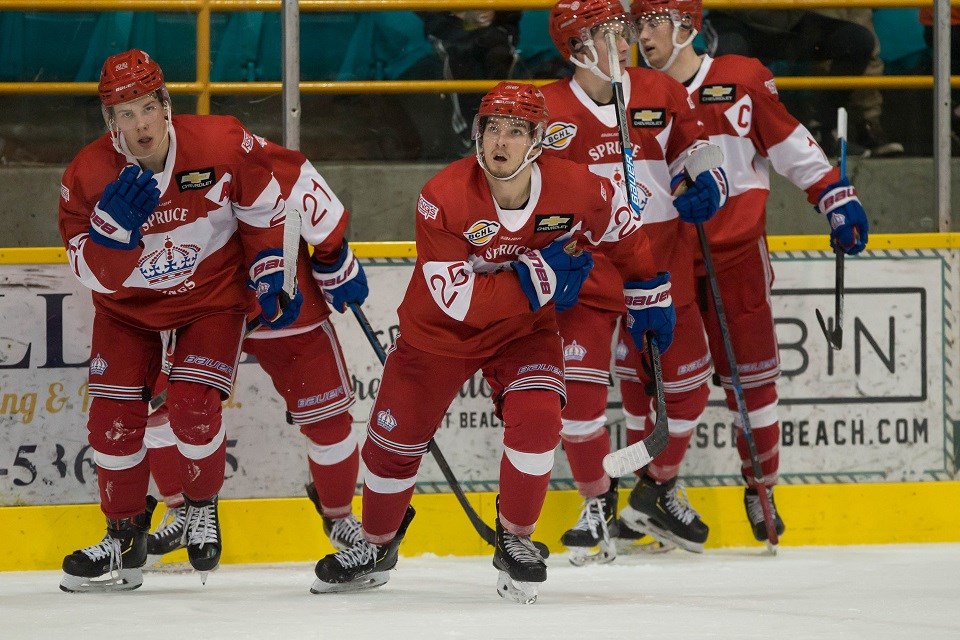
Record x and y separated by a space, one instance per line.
124 206
650 310
342 282
848 221
277 310
552 273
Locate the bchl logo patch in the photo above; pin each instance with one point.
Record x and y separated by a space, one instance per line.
648 117
718 93
386 420
481 232
427 209
196 179
559 135
555 222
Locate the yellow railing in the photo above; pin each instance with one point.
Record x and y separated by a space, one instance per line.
203 88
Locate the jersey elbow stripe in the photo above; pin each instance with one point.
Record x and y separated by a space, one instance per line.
119 463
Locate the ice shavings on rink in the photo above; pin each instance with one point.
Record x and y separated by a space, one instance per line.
869 592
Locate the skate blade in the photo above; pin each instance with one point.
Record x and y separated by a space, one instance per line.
646 545
519 592
771 548
121 580
369 581
639 522
603 553
155 564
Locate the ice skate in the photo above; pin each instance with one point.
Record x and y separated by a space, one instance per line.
202 535
115 563
361 566
521 567
169 535
751 502
592 538
663 512
629 542
342 532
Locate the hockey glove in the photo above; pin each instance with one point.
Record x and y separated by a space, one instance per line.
704 195
124 206
277 310
650 309
342 282
552 274
848 221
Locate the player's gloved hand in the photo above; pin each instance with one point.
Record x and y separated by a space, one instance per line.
848 221
650 309
342 282
124 206
277 310
704 194
553 274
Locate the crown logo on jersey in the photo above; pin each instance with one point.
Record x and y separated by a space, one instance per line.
172 262
621 350
574 351
386 420
97 366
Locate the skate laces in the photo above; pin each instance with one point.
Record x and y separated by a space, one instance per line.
359 554
173 523
755 508
520 548
592 519
201 524
109 546
346 532
678 504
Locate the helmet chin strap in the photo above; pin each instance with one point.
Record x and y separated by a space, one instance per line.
532 154
677 48
591 63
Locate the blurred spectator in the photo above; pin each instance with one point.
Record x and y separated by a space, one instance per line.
807 36
472 45
926 19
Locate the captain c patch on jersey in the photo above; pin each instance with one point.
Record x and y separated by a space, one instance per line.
648 117
196 178
554 222
718 93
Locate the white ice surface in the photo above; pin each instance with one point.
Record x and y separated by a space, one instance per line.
898 591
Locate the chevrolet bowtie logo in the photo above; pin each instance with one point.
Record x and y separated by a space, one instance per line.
717 91
195 177
552 220
647 115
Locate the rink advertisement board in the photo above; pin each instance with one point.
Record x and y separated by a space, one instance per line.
884 408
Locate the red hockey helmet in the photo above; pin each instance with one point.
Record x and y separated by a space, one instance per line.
686 13
128 76
572 20
515 100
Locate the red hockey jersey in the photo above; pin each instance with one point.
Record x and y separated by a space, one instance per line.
217 197
736 99
462 299
662 127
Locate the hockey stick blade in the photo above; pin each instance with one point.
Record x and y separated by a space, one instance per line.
482 528
638 455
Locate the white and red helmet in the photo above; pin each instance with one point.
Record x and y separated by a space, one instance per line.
576 24
685 13
128 76
513 100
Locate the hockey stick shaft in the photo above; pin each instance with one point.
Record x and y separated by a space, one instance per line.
639 454
482 528
765 501
835 335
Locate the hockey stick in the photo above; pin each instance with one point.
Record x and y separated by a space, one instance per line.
639 454
765 501
835 337
291 254
482 528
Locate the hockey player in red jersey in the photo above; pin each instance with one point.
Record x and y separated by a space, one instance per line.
157 216
304 361
736 99
663 132
501 242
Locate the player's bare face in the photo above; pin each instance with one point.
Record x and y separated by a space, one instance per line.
505 144
142 124
656 38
